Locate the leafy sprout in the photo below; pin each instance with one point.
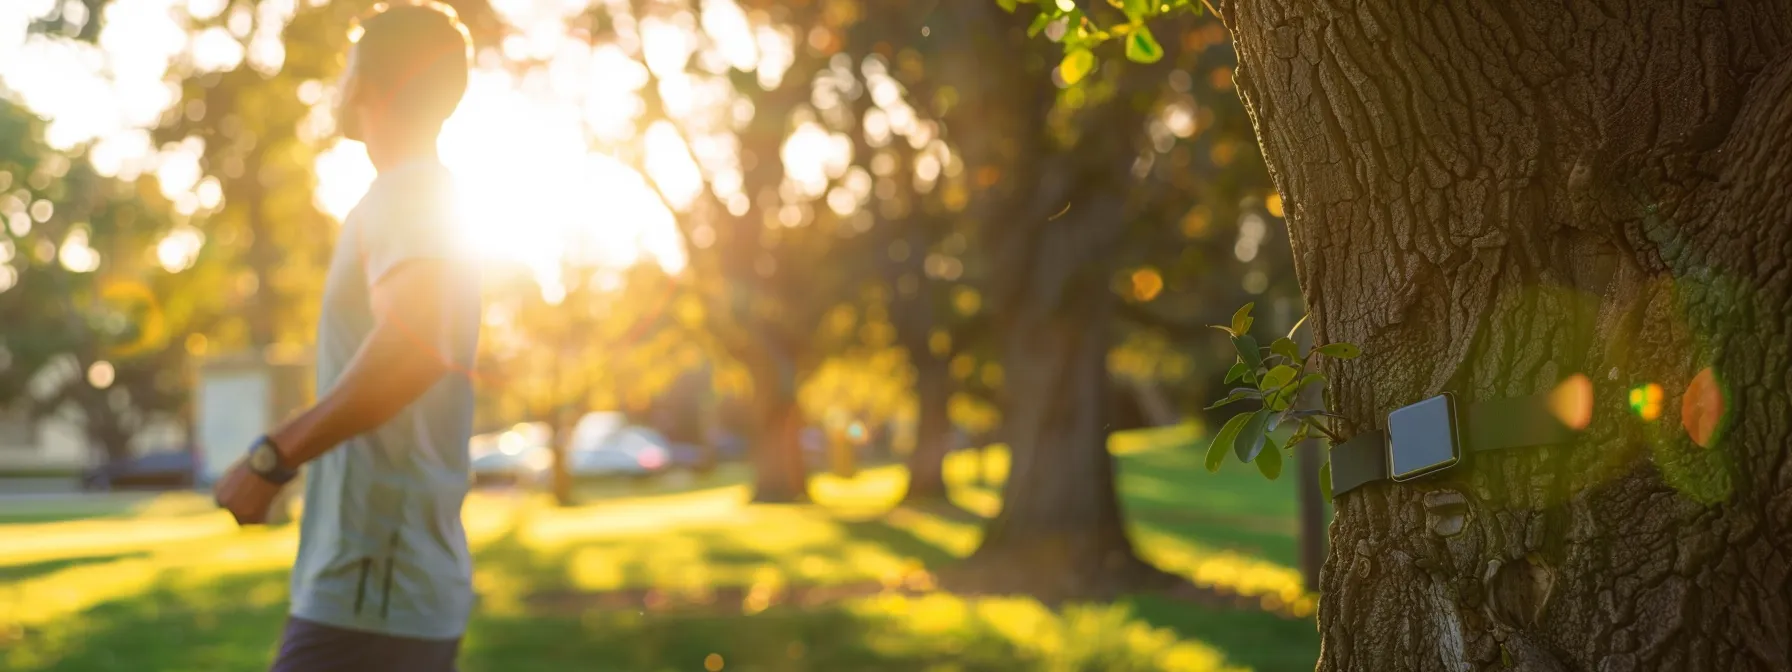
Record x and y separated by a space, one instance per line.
1273 377
1081 33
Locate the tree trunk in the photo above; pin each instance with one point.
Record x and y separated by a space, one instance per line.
1060 533
779 474
1490 196
560 471
933 432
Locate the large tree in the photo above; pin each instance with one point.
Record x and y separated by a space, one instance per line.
1489 196
1064 184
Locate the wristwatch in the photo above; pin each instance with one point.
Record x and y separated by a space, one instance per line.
264 461
1435 435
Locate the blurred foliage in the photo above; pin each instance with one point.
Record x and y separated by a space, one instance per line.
92 326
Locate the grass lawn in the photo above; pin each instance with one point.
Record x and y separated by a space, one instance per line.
684 578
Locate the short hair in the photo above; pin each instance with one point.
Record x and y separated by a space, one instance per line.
414 57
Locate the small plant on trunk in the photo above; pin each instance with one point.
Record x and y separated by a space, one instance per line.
1274 377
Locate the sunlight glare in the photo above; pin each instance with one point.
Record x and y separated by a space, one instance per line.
529 190
727 25
670 165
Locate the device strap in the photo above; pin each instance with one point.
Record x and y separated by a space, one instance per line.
1495 424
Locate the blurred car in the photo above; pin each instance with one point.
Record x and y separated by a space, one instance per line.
518 456
162 470
604 445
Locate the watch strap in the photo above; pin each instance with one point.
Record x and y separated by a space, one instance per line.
1359 461
1495 424
280 474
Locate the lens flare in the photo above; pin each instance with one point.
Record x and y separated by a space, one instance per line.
1702 409
1645 401
1572 402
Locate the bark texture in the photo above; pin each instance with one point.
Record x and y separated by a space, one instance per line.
1489 196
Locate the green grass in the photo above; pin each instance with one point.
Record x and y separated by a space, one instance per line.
662 577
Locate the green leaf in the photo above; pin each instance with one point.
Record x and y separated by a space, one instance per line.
1008 5
1138 9
1222 442
1286 348
1340 350
1224 328
1247 350
1309 379
1251 437
1241 320
1039 24
1236 372
1141 47
1269 462
1325 480
1077 64
1239 394
1277 377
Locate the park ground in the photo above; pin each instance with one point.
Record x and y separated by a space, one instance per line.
688 577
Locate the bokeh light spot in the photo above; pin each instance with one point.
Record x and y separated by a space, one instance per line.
1572 402
1702 409
1147 283
713 662
1645 401
101 374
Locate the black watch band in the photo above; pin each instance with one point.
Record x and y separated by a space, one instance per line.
1488 425
264 461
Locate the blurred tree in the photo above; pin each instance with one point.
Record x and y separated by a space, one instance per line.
614 339
98 287
1052 166
750 127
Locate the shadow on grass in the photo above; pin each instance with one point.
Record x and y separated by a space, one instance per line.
32 570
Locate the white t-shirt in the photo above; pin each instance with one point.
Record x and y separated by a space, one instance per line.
381 547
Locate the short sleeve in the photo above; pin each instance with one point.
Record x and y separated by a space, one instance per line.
412 219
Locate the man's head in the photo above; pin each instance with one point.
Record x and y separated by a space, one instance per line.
407 70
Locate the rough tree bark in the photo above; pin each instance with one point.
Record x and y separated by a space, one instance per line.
1489 196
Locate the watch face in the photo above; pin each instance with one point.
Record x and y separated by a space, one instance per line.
1422 438
262 458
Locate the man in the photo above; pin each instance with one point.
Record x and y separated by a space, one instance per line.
383 579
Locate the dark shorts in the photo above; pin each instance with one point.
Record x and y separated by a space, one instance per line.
308 646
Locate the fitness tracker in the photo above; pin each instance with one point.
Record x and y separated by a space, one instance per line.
264 461
1434 435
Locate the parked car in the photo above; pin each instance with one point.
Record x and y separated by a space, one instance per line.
605 446
160 471
518 456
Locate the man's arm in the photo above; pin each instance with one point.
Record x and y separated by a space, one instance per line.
401 359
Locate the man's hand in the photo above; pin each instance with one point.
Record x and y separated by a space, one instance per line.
245 494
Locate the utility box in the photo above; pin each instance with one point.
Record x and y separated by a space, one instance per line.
240 397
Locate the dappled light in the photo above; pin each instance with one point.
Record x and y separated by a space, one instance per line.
671 556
